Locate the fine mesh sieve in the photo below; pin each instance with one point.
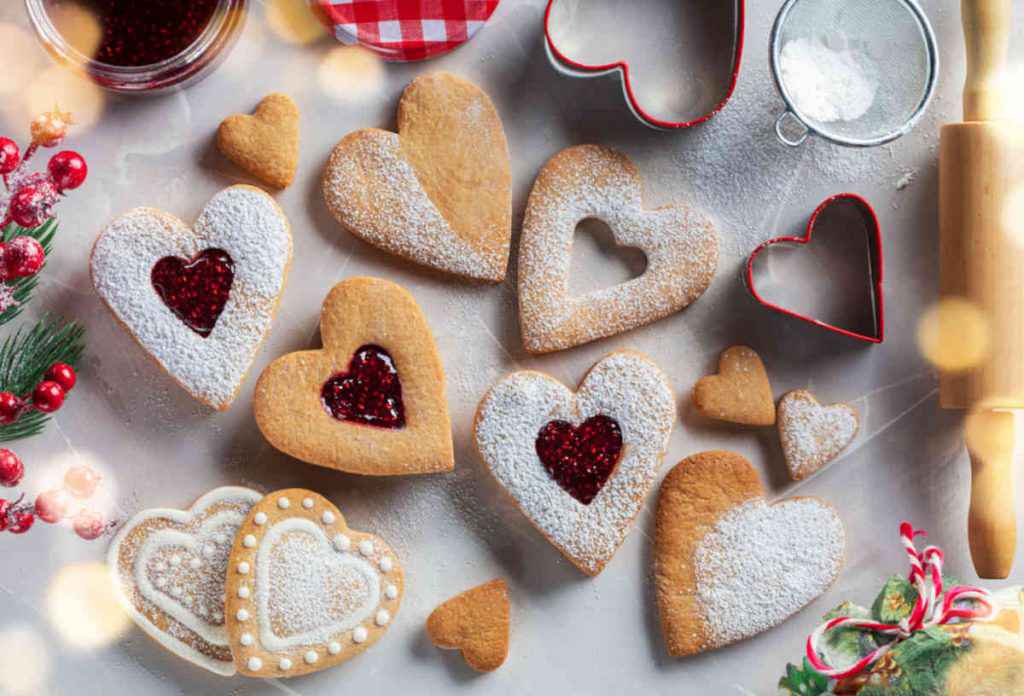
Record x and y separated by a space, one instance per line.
892 46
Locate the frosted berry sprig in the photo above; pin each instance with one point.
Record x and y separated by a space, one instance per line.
47 397
52 506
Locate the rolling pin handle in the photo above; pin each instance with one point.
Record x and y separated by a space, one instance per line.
987 26
992 522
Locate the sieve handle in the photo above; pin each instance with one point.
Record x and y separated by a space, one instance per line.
780 133
987 38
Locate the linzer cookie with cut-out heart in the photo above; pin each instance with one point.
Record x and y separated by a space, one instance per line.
727 564
372 401
304 591
169 566
476 623
579 465
266 143
589 181
199 299
740 392
438 192
813 435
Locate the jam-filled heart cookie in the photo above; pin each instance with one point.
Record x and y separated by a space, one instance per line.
200 299
304 591
579 465
266 143
589 181
813 435
168 568
727 565
476 623
438 192
740 392
372 401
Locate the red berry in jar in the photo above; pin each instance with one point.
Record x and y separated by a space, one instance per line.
10 156
48 396
52 505
88 524
11 468
82 480
67 170
63 374
10 408
21 522
23 256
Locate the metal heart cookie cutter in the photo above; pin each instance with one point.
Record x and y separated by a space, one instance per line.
679 71
846 227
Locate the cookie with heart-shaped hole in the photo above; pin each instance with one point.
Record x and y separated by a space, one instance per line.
438 192
740 392
590 181
579 464
476 623
304 591
168 568
199 299
727 564
812 435
265 143
372 401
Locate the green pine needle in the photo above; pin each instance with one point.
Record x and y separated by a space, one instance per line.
23 287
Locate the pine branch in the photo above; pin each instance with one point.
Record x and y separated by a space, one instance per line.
23 287
24 359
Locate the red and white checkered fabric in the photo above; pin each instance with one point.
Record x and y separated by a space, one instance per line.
406 30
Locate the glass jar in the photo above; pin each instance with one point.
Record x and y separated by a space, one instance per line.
210 46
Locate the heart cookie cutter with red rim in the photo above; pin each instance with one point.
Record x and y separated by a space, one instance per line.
873 231
560 60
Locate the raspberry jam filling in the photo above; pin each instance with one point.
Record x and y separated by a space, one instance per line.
369 393
195 289
580 459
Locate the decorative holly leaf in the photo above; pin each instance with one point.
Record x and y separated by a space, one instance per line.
21 288
895 602
803 681
844 646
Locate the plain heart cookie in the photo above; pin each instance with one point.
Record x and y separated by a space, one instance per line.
266 143
168 568
727 565
589 181
438 192
476 623
579 465
199 299
812 435
304 591
372 401
739 393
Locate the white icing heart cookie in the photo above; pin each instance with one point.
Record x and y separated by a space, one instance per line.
579 465
168 567
199 299
304 591
589 181
813 435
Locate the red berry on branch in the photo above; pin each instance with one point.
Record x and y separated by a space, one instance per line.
21 522
23 256
10 156
11 468
68 170
88 524
63 374
5 511
52 505
82 480
27 207
48 396
10 408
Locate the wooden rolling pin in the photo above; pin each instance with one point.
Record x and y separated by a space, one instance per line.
982 260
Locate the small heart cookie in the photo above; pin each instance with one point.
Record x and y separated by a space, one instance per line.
739 393
373 400
265 144
304 591
813 435
439 192
200 299
579 465
589 181
727 565
476 623
168 568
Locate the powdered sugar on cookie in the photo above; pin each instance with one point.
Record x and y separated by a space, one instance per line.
813 435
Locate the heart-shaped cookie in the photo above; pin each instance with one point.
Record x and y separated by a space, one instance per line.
589 181
304 591
439 192
476 623
727 565
265 144
579 465
200 299
373 400
740 392
813 435
169 566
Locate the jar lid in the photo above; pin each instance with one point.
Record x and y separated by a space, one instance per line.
405 30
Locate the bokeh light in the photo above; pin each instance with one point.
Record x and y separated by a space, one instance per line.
17 53
57 86
82 607
78 26
24 661
1013 216
351 74
954 334
293 21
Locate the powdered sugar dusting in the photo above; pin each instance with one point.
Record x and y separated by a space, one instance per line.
813 435
594 182
241 220
763 563
626 387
